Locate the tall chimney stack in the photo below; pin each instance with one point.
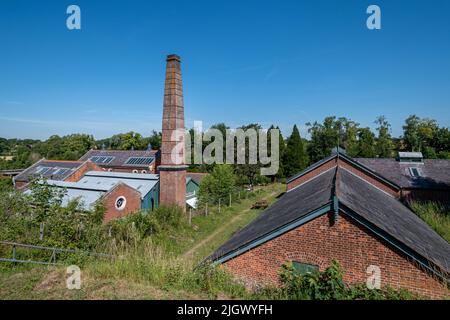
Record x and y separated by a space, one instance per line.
172 170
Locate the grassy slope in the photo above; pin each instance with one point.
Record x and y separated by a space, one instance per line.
436 216
150 274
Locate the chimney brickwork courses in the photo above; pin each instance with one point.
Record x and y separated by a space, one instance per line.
172 172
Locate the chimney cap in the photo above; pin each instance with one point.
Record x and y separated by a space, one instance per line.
173 57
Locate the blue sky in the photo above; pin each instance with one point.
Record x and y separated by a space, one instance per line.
280 62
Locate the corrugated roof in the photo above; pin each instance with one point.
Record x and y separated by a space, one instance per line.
120 157
143 183
123 175
87 198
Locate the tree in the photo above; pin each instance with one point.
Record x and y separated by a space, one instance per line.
217 185
296 158
332 132
366 143
384 145
418 133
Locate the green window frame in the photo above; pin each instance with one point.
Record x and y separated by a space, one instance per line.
304 268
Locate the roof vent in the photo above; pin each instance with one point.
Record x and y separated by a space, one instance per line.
410 157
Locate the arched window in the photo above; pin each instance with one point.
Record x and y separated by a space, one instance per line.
135 171
303 268
144 171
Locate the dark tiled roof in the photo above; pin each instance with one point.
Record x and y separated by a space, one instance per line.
55 164
120 156
196 176
291 206
435 172
390 215
364 199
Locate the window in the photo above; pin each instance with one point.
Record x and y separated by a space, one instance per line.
110 170
121 202
303 268
144 171
139 161
415 172
135 171
101 159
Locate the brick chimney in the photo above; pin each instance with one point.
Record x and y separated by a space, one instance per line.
172 170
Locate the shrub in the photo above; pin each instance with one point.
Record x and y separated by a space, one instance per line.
328 285
435 215
143 224
217 185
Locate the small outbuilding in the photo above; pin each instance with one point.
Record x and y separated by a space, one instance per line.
340 209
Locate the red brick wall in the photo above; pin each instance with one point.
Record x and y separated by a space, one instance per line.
150 169
172 188
80 172
132 197
318 242
350 167
324 167
372 179
20 184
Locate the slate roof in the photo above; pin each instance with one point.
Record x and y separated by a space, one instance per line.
364 199
53 174
120 157
390 215
196 176
291 206
435 172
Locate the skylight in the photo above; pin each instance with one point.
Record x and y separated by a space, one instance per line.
415 172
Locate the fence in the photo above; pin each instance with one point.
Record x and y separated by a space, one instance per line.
209 204
53 258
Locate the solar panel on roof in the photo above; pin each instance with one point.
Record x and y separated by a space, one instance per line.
137 161
102 159
43 170
61 171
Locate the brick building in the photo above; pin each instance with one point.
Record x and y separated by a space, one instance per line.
133 161
340 209
59 170
418 179
121 193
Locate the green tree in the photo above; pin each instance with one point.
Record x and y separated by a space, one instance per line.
418 134
366 143
217 185
249 171
384 145
295 157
